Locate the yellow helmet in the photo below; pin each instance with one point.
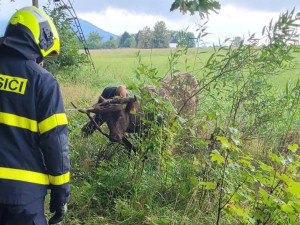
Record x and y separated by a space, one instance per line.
41 27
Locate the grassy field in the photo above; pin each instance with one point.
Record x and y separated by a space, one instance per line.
118 66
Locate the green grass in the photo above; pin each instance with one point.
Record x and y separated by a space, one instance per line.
119 66
290 76
114 67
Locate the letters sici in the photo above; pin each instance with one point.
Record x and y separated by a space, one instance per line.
12 84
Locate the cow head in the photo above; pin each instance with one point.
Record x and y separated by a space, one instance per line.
123 115
119 115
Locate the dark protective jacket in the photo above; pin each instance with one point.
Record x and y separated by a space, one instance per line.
34 152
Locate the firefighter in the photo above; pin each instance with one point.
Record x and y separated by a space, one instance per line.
34 151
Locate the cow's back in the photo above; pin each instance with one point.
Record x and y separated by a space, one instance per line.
181 89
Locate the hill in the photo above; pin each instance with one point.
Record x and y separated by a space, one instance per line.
86 26
3 24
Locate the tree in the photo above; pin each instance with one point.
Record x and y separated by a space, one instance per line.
123 38
94 39
183 38
145 38
161 36
110 44
236 41
69 51
201 6
130 42
158 38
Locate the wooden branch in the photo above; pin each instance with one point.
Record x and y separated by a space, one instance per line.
91 119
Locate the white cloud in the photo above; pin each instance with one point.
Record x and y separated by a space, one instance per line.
118 21
8 8
233 21
230 22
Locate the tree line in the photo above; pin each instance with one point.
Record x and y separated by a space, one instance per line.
158 37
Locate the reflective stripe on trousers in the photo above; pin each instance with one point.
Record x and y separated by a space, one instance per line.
33 177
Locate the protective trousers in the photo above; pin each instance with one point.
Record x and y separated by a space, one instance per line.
29 214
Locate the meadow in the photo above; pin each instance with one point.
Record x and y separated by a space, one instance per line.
237 164
118 66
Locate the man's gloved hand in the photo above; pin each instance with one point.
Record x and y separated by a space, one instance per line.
60 211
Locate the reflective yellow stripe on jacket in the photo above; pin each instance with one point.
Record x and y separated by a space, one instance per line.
33 177
18 121
32 125
52 121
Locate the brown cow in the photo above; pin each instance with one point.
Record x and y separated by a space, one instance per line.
181 89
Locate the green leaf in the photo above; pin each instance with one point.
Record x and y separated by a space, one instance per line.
211 115
208 185
293 148
175 5
217 157
165 221
264 194
275 158
287 208
294 188
266 167
246 163
224 141
296 206
286 179
251 220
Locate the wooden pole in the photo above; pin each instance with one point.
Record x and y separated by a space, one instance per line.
35 3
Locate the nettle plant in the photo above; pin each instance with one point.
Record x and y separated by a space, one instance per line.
255 191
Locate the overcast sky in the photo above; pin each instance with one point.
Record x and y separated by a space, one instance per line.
236 17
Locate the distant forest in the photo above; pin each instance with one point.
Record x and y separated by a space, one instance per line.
158 37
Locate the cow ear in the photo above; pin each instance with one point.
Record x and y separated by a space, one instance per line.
131 107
